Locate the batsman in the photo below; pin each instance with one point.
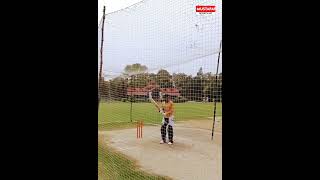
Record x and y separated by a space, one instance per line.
167 111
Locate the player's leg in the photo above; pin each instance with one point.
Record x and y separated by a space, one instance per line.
170 134
170 130
164 130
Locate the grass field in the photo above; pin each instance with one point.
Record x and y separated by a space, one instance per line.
113 165
119 112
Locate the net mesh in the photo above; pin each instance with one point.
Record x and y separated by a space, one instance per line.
158 49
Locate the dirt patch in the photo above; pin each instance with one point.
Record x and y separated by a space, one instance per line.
193 156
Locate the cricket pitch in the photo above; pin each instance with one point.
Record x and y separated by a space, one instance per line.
192 156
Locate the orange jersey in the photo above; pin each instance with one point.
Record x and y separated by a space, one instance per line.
168 109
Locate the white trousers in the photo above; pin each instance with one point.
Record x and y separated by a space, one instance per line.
171 121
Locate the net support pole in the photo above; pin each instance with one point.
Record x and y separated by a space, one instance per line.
101 56
131 99
131 110
215 99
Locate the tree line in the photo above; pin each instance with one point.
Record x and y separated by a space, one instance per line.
201 87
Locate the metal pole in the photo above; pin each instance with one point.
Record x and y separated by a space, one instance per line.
131 98
215 99
101 56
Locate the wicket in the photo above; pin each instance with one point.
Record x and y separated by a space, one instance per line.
139 129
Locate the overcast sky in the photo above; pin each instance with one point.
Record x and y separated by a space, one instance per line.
172 35
113 5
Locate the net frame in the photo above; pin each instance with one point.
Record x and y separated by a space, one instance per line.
113 91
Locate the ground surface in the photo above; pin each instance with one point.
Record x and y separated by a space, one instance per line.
113 165
193 156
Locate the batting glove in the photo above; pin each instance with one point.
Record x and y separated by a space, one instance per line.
161 112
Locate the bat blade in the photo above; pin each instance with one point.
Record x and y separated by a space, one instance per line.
155 103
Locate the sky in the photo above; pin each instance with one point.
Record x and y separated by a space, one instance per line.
113 5
179 33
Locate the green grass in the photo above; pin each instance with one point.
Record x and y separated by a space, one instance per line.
115 166
118 113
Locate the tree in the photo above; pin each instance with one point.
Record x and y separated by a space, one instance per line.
179 80
200 72
135 69
152 77
164 79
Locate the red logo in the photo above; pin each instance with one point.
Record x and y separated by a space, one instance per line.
205 9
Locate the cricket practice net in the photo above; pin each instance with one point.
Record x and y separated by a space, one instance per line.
156 48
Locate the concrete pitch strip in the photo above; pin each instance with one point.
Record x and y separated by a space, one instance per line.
192 156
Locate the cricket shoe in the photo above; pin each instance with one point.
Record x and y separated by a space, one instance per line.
161 142
169 143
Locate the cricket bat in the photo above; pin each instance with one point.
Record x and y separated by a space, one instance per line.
154 102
